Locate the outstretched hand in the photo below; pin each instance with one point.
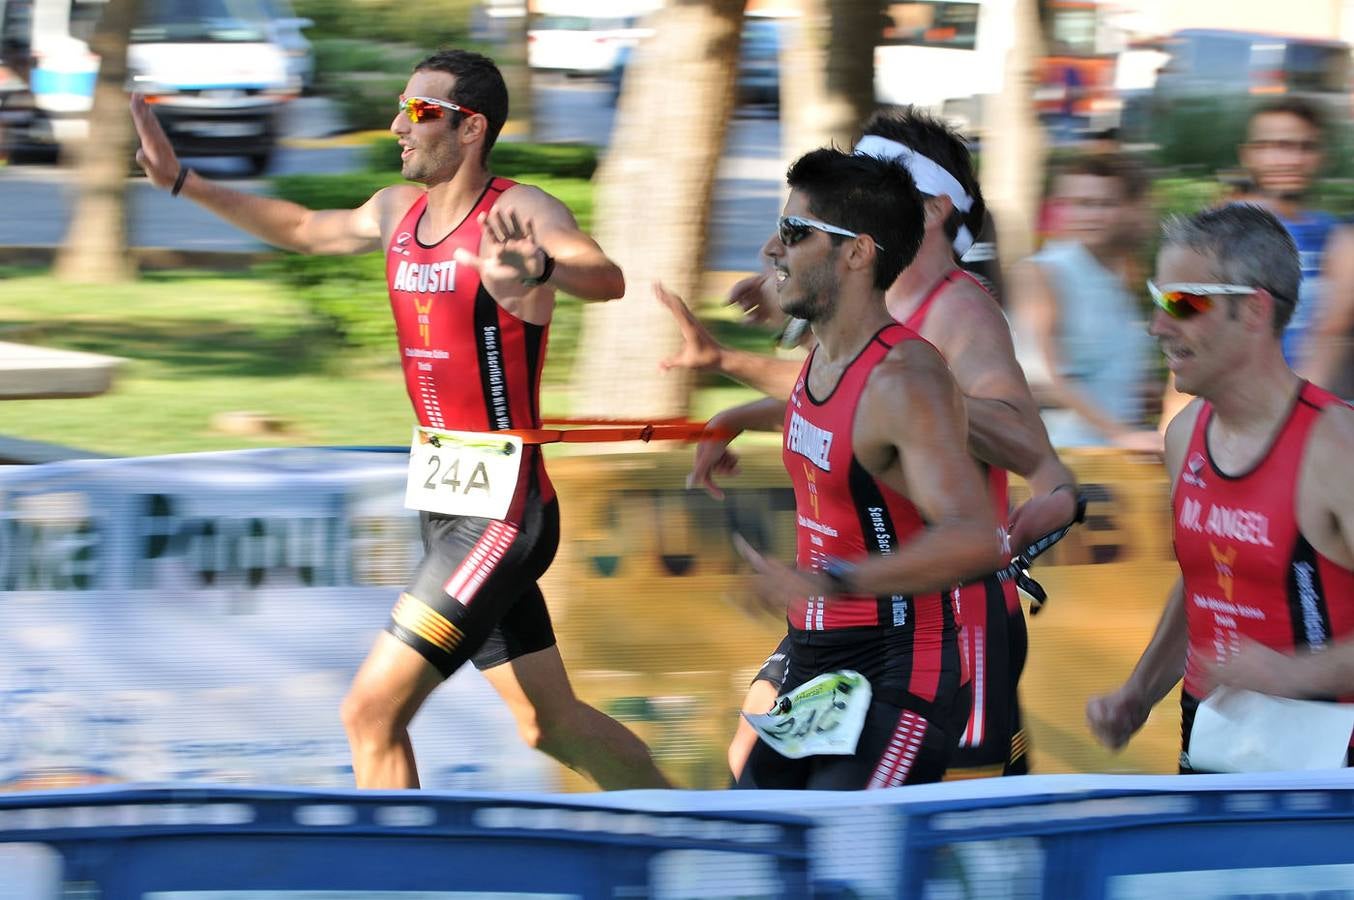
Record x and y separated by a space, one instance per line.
755 295
512 255
699 348
155 155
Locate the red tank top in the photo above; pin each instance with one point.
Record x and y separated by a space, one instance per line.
1247 568
469 365
996 478
843 512
971 600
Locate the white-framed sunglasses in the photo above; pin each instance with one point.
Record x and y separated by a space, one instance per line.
1186 299
793 229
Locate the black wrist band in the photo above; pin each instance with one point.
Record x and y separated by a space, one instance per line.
178 182
547 269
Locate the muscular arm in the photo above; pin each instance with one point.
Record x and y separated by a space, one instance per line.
292 226
1327 350
1036 308
581 267
910 433
1115 717
1004 428
277 222
1162 663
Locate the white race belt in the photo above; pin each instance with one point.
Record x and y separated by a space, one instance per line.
822 717
463 473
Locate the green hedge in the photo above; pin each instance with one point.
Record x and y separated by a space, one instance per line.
429 23
514 160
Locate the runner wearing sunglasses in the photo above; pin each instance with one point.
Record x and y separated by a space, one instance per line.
947 307
473 263
890 508
1262 502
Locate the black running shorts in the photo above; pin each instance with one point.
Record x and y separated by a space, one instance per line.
993 635
906 739
475 596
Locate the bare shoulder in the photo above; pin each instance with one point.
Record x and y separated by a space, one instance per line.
965 312
528 199
1332 447
392 202
912 376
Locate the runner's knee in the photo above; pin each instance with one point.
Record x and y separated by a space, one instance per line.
368 716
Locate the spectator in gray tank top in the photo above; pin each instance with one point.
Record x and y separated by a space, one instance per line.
1079 327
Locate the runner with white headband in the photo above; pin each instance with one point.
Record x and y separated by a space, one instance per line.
949 308
930 176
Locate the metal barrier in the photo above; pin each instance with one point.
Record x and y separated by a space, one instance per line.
194 843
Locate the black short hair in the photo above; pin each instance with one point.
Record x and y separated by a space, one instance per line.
868 196
1293 106
918 130
479 86
1130 175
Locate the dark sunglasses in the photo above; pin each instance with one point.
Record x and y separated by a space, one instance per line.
793 229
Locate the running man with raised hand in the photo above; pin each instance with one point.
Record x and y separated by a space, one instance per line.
948 307
472 261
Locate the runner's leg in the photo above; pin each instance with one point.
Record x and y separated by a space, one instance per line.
552 719
763 691
388 690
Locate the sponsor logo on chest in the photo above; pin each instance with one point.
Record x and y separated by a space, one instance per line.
809 441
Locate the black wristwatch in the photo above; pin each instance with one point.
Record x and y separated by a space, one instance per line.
547 269
839 574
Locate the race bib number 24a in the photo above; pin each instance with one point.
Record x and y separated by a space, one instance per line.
463 473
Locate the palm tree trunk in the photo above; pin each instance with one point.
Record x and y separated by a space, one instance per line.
95 249
827 73
653 205
1013 142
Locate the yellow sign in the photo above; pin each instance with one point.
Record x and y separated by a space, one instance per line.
648 598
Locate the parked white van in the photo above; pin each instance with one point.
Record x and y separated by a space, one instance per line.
215 80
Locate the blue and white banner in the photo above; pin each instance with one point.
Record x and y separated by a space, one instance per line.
199 617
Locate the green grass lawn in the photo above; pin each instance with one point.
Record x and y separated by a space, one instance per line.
198 344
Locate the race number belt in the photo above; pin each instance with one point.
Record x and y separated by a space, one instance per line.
474 473
463 473
822 717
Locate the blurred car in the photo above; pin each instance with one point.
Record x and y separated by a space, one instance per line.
759 62
758 79
1233 70
285 30
580 45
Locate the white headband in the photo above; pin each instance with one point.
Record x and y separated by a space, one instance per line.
930 176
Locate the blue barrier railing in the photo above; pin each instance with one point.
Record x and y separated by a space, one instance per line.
1118 838
194 843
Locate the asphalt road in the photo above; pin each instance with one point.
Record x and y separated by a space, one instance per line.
37 199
